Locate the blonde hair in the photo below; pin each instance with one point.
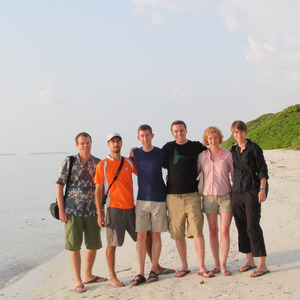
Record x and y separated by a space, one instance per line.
211 130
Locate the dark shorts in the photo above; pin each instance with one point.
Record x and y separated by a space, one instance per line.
117 222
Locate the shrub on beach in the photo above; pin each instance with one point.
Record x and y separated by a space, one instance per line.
274 131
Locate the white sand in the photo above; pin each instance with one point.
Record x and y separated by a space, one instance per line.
280 222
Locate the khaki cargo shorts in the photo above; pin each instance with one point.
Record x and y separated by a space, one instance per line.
184 208
151 215
217 204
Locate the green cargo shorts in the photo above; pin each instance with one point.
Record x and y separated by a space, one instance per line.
74 229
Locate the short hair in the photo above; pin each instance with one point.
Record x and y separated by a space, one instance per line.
178 122
145 127
84 134
210 130
240 125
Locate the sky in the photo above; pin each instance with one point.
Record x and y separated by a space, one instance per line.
99 66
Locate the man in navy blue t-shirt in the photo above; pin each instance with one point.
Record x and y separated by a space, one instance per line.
151 212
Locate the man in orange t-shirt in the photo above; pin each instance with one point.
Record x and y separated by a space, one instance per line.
120 214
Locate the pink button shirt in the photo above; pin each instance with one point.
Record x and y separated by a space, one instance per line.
216 173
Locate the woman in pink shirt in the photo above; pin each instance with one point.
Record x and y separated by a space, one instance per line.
217 165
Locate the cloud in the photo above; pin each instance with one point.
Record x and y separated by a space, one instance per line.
158 9
268 62
272 31
182 92
174 6
157 19
269 19
268 35
269 47
53 95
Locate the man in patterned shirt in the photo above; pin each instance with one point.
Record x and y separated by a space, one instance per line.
79 212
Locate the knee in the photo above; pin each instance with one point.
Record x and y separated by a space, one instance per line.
141 237
213 232
225 234
156 236
253 230
110 249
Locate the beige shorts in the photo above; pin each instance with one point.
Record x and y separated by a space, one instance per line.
151 215
217 204
182 208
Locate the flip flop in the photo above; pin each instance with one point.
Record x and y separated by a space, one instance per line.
96 279
167 271
80 288
182 273
206 274
226 273
152 277
118 284
216 270
259 273
246 268
138 279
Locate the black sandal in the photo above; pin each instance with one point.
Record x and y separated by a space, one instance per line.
152 277
138 279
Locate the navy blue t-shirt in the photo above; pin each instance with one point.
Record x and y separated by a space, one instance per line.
151 186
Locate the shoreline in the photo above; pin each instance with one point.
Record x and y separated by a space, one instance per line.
16 279
280 221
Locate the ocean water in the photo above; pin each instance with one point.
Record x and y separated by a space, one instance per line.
29 235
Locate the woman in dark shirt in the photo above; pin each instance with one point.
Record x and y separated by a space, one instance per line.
248 192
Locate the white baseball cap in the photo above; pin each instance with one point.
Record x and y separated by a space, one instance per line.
112 135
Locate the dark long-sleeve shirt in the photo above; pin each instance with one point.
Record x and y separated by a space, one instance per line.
254 158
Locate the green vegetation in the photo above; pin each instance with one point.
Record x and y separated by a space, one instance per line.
274 131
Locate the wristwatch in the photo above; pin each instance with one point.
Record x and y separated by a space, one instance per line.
262 190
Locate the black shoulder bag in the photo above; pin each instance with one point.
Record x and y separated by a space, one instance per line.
54 206
117 175
253 173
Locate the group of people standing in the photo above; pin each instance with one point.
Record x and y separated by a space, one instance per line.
176 206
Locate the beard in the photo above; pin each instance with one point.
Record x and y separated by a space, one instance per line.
116 151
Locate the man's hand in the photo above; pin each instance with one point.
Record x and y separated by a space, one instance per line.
262 197
101 219
63 216
131 153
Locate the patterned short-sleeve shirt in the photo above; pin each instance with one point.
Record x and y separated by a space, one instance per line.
81 193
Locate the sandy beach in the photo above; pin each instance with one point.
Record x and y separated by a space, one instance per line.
280 222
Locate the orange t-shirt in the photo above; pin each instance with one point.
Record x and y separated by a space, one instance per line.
120 194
